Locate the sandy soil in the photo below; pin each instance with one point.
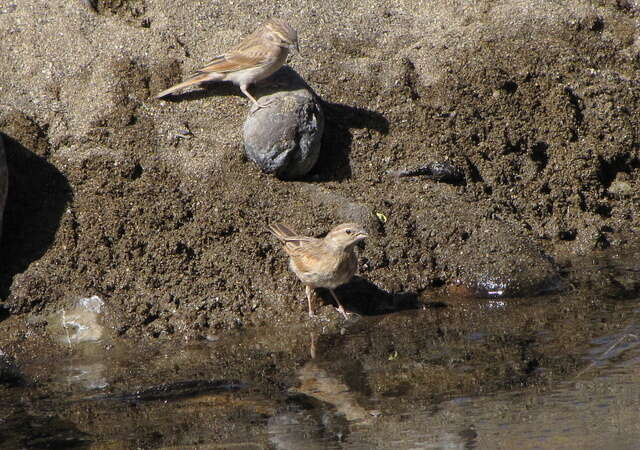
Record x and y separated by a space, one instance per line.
152 206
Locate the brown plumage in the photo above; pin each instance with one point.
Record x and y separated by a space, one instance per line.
322 263
258 56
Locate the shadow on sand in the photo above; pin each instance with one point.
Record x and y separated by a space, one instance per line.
365 298
38 195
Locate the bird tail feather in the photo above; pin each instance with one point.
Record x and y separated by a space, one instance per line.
281 231
196 79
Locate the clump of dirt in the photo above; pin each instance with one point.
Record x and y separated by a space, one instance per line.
131 11
151 205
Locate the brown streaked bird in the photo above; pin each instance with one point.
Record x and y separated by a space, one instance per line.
322 263
258 56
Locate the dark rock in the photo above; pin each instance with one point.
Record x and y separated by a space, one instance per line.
437 171
284 137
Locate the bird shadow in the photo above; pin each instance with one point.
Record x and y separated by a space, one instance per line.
365 298
37 198
333 163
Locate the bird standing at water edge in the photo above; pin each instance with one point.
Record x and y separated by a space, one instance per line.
322 263
258 56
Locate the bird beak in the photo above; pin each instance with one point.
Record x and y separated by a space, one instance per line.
362 236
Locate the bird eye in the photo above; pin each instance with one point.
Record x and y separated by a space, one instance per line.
348 231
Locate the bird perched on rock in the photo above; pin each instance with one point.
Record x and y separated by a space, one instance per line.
322 263
259 55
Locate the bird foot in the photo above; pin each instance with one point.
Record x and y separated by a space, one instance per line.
343 312
258 105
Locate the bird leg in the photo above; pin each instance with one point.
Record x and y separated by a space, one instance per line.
256 104
309 291
340 307
312 348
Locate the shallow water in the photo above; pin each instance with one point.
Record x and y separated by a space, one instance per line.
560 371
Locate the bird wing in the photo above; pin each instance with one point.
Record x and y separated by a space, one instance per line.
303 246
307 261
240 58
296 245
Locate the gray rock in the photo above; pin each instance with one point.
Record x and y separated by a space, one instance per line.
284 137
79 324
4 181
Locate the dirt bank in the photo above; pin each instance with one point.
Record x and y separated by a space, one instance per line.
152 206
